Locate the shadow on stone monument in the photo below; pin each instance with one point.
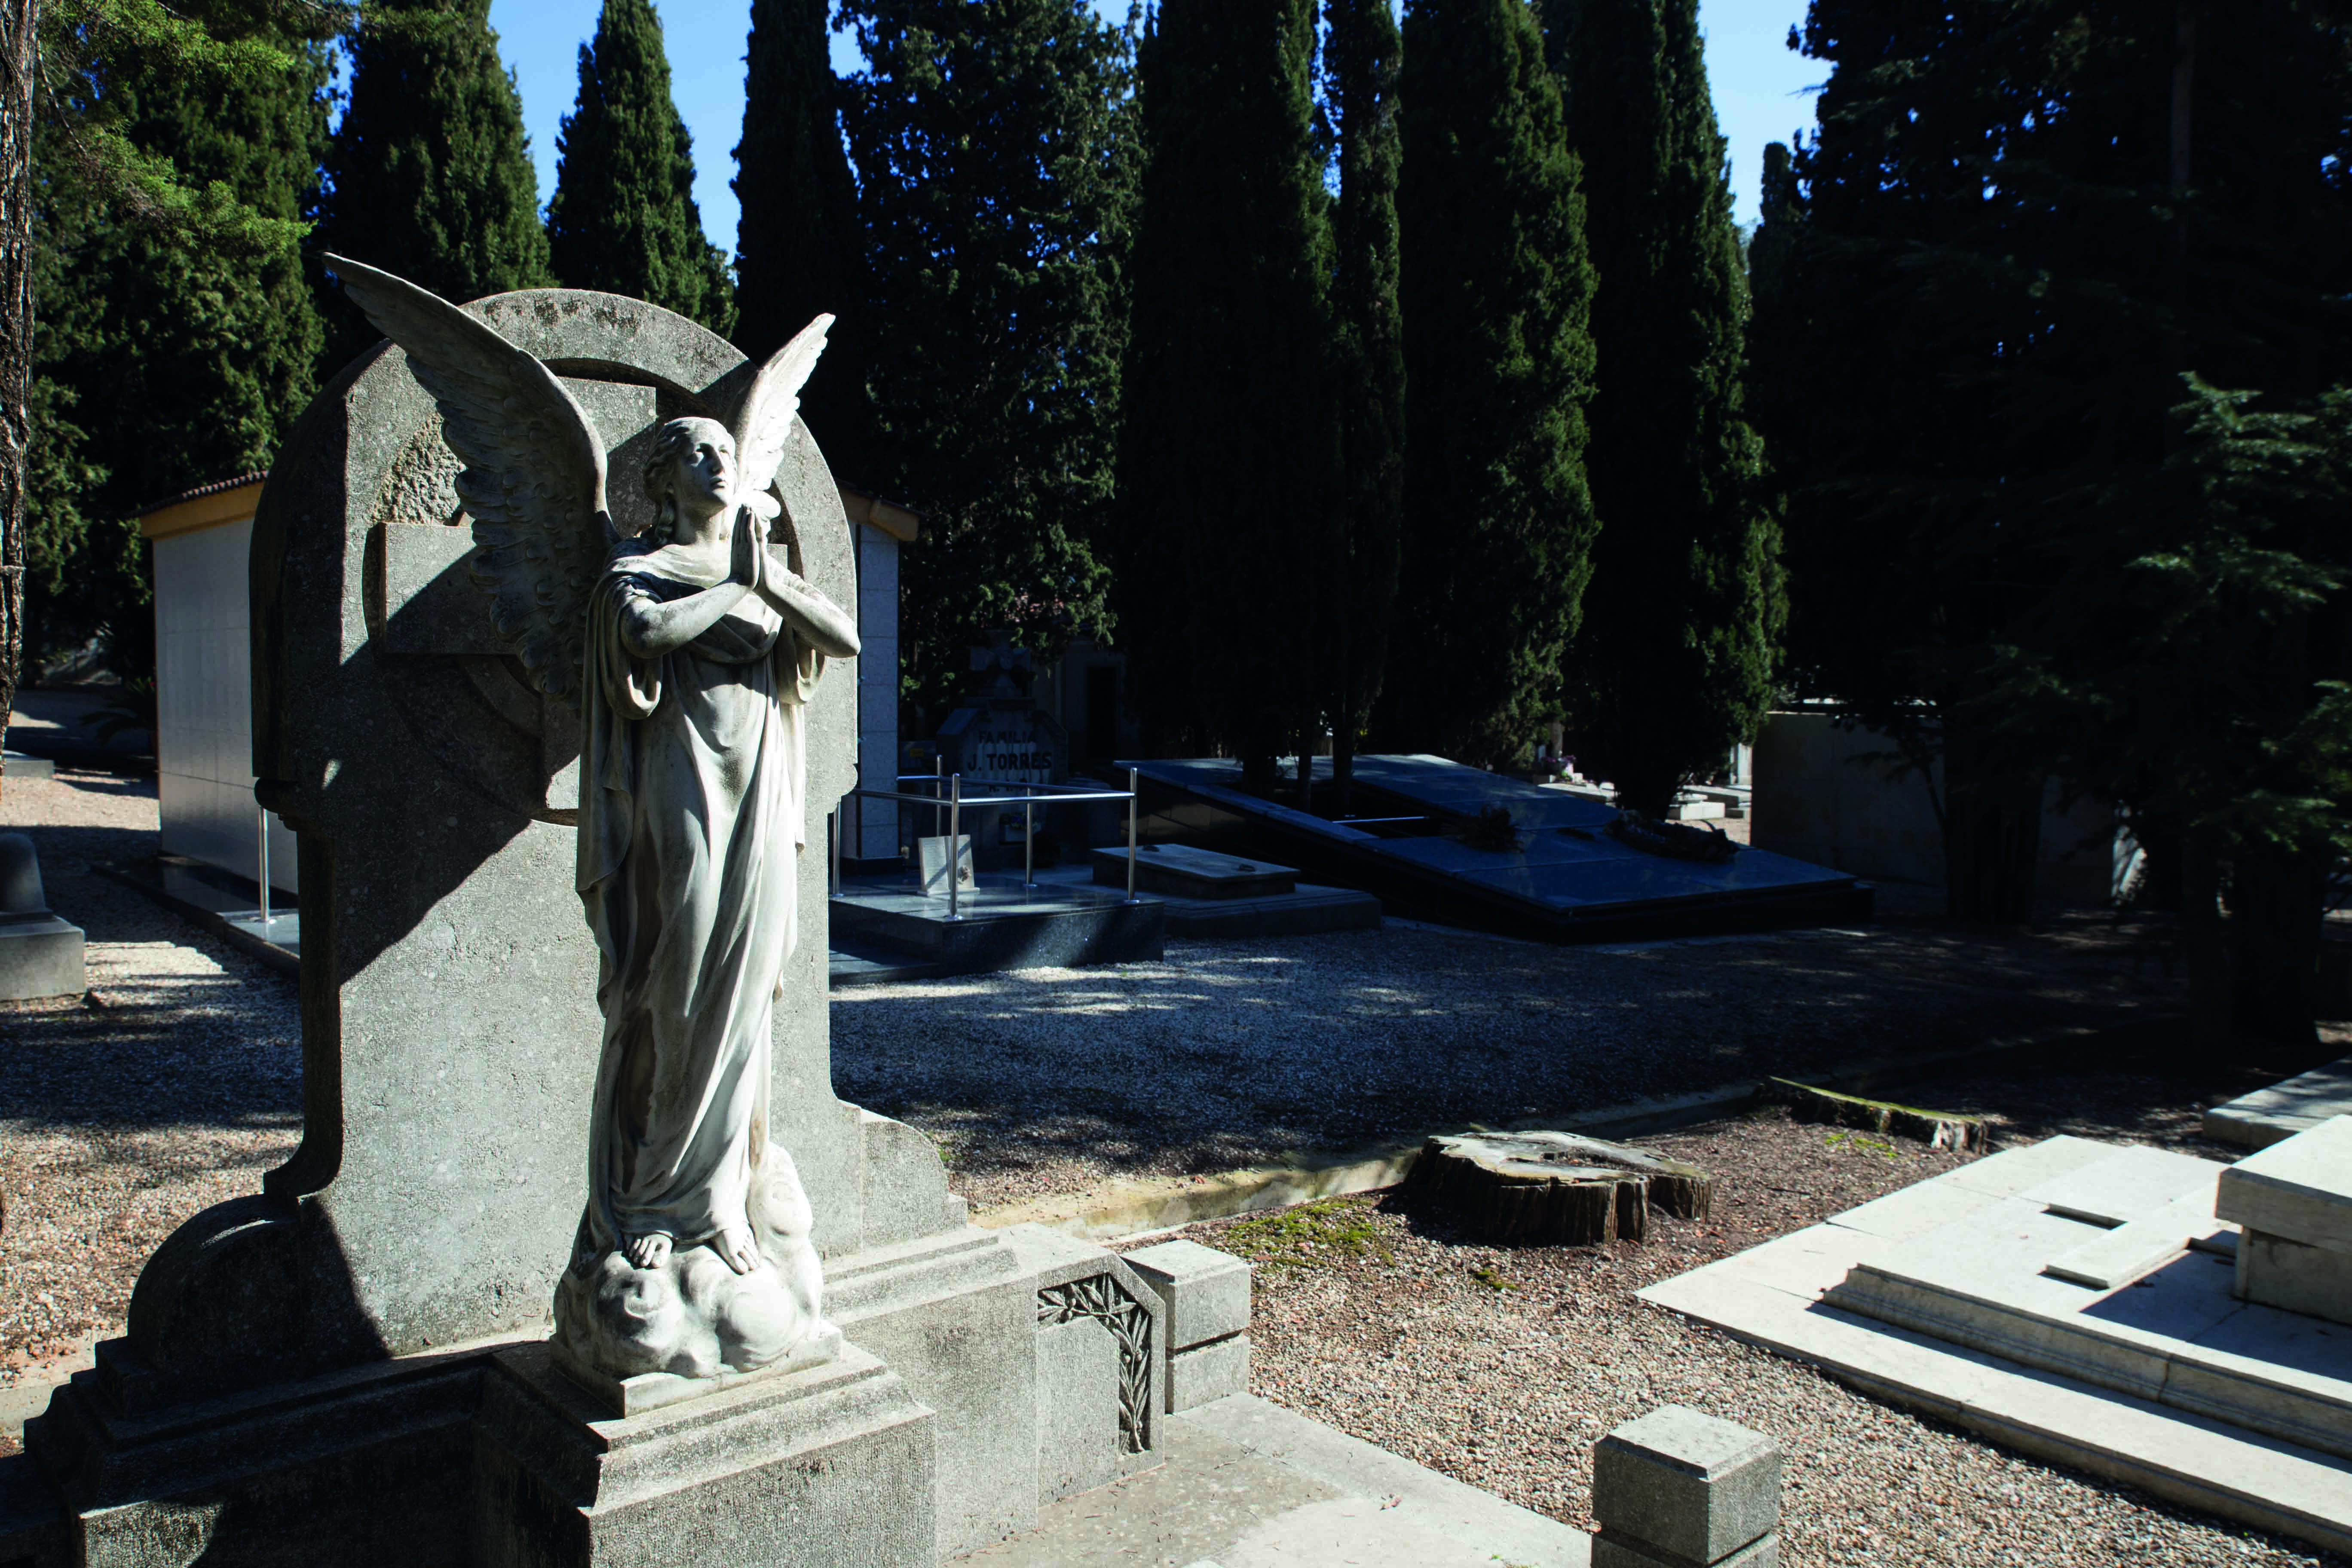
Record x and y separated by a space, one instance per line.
354 1366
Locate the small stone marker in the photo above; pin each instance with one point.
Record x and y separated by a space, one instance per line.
931 862
1680 1489
1936 1129
1558 1188
1207 1294
41 955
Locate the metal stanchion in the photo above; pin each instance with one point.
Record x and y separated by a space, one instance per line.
1028 843
264 870
1130 835
955 854
939 771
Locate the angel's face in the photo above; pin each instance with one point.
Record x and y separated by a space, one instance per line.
706 467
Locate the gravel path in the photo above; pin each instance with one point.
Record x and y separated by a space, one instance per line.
1502 1366
172 1086
1224 1054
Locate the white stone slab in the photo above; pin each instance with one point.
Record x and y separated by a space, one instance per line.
2130 1251
2181 1456
2013 1171
1914 1211
2267 1115
2300 1188
2131 1182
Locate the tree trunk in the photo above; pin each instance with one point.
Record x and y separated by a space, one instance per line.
18 61
1343 758
1306 765
1992 837
2204 943
2276 897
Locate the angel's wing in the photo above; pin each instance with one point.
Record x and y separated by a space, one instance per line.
534 476
764 422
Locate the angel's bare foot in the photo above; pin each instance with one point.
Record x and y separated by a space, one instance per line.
735 1245
650 1250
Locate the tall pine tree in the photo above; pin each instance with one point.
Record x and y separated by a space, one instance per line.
797 247
992 148
164 361
429 175
624 218
1674 663
1498 293
1226 460
1363 58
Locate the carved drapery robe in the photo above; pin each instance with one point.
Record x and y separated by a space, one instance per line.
692 818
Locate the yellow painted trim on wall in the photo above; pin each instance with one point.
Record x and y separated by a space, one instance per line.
896 520
205 511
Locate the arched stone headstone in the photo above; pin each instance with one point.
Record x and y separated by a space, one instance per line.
315 1356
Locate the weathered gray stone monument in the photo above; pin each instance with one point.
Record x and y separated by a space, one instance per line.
40 954
781 1342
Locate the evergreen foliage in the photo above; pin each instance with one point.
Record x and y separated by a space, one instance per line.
1363 57
2021 224
1225 465
1496 296
174 348
429 175
797 245
993 159
624 218
1674 663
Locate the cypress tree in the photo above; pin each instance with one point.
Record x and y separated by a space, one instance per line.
991 144
1674 663
1498 291
1363 56
429 175
624 218
2009 532
164 360
798 247
1226 460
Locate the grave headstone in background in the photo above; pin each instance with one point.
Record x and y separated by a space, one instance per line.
1001 733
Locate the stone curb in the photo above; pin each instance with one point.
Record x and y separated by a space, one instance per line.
245 942
1168 1202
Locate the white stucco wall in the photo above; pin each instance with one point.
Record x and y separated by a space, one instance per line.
1818 799
204 690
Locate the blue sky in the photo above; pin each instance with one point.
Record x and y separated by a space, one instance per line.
1760 88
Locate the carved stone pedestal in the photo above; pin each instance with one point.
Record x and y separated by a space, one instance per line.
828 1468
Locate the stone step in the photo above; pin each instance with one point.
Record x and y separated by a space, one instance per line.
2064 1277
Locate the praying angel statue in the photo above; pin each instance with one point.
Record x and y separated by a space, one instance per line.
691 655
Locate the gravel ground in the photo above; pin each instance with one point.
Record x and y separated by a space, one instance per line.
1232 1053
1501 1366
176 1083
171 1085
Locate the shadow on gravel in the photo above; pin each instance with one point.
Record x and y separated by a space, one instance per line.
1228 1054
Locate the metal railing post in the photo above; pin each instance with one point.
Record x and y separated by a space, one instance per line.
955 851
939 771
1028 843
1130 835
265 870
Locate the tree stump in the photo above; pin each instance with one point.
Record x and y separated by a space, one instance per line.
1556 1189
